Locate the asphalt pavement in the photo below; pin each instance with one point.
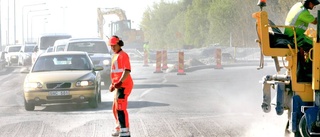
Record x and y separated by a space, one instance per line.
203 103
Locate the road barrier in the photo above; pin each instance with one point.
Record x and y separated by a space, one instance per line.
158 62
218 59
164 60
145 59
181 64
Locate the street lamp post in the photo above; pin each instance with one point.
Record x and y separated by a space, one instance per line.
28 20
31 29
8 27
14 20
0 27
22 14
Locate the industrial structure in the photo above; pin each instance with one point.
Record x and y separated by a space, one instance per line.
133 38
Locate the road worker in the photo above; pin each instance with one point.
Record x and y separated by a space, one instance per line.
146 50
121 84
34 55
300 17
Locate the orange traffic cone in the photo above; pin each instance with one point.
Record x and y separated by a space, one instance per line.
218 59
164 60
158 62
181 64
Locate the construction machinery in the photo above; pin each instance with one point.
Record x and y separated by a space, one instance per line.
300 97
133 38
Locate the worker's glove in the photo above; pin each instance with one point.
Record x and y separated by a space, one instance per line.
111 88
118 85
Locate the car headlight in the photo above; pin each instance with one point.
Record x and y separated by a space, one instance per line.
84 83
32 85
106 62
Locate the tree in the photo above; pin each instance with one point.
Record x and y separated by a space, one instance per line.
204 22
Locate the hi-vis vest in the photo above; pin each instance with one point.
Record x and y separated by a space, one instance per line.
299 17
120 62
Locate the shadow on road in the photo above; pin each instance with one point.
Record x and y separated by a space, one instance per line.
102 106
136 86
141 86
139 78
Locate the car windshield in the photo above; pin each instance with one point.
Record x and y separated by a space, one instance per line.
61 63
88 46
49 49
14 49
60 47
28 48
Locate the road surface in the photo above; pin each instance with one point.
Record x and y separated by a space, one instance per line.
203 103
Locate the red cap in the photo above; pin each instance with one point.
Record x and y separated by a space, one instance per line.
113 41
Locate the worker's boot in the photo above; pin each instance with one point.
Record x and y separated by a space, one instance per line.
116 131
124 132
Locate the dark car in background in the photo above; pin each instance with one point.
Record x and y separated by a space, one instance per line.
98 51
25 54
12 54
227 57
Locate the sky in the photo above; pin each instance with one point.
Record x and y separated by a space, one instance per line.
76 17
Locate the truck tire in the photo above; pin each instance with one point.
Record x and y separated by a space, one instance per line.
303 128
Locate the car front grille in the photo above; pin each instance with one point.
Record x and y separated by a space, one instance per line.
58 85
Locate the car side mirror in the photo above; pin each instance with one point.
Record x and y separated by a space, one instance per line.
97 68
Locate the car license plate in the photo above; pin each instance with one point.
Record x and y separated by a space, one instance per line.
58 93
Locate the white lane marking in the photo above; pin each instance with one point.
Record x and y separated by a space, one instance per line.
144 93
196 129
170 127
144 127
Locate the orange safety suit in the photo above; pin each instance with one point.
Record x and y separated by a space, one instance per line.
121 63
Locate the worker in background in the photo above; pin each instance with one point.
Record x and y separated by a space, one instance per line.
146 49
34 54
300 17
121 85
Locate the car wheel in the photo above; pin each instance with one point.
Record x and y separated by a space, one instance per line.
29 106
93 102
99 97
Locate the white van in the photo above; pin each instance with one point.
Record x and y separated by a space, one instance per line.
47 40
